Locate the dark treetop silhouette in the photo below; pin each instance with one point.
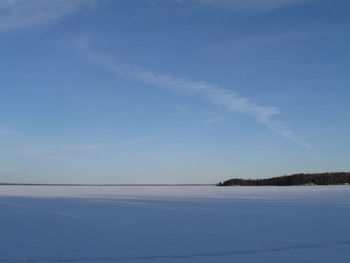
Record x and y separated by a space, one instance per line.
295 179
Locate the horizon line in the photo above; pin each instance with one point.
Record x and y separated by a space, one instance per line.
34 184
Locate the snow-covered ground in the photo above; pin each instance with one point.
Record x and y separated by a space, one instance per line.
174 224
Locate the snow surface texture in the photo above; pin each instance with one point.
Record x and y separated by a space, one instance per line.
174 224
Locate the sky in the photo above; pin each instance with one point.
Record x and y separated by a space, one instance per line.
172 91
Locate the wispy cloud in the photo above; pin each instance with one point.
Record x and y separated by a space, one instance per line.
208 92
289 42
235 5
15 14
208 117
213 120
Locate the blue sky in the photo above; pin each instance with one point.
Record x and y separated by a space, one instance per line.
160 91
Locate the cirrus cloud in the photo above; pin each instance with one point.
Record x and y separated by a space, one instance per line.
226 98
16 14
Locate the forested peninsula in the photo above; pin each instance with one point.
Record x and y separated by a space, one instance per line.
295 179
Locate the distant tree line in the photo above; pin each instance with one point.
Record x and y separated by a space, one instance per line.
295 179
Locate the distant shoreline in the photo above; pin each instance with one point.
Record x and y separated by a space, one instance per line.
338 178
29 184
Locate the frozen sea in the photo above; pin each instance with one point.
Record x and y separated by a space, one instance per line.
174 224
